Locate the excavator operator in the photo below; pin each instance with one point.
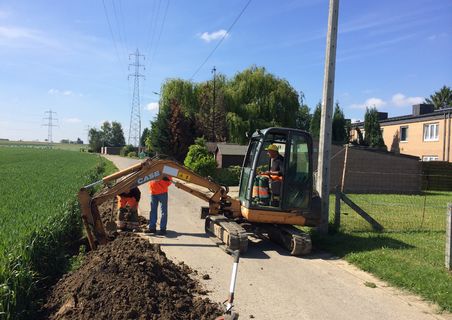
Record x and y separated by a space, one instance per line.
275 173
128 209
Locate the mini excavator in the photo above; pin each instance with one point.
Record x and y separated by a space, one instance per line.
258 210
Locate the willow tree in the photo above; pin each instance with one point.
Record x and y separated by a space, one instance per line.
258 100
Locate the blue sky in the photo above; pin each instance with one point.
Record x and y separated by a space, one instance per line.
61 55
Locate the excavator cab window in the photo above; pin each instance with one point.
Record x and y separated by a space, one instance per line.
292 189
297 180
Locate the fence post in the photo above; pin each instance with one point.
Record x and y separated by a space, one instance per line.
337 209
449 237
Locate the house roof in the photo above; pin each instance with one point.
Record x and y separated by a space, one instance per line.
437 114
231 149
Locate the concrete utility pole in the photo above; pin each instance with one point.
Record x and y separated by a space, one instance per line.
323 167
135 114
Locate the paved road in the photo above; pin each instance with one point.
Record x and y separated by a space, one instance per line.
272 285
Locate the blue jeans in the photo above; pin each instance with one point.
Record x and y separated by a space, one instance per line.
155 199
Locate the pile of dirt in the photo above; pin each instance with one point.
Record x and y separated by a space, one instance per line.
129 278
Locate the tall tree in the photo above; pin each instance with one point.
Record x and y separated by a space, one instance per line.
211 117
95 139
117 135
441 98
303 119
339 126
106 134
183 92
260 100
315 120
372 130
145 136
160 134
180 128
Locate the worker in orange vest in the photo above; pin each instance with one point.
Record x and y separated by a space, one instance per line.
128 209
159 194
275 173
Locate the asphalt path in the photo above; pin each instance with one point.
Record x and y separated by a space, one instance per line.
271 284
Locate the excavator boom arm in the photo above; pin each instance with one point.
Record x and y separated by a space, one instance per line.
144 172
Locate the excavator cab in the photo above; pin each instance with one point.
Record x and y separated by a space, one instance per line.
287 198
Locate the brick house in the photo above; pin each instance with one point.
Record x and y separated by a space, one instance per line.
426 133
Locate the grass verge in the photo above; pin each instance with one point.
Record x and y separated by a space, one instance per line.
409 253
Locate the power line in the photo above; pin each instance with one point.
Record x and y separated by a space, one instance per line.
153 26
160 34
120 31
221 40
111 33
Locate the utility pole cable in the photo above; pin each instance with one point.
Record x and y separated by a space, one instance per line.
135 114
213 105
323 167
50 124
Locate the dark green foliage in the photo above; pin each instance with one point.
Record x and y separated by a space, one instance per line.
160 134
200 160
145 136
126 150
315 120
441 98
259 100
95 140
339 126
228 176
109 135
181 132
117 135
303 120
373 136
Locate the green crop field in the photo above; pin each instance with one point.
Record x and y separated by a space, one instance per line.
43 145
39 217
409 253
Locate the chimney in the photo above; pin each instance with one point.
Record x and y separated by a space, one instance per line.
423 108
382 116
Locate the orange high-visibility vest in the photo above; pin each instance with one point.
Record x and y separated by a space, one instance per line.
127 201
159 186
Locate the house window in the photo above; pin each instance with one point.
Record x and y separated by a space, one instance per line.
403 134
431 132
430 158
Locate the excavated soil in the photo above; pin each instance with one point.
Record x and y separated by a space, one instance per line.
129 278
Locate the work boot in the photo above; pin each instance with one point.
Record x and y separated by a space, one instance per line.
150 230
162 232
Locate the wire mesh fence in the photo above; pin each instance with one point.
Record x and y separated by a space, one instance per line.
424 210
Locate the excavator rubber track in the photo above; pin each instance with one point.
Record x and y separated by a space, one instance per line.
229 235
297 242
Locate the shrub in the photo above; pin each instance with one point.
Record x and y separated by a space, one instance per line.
126 150
229 176
132 154
200 160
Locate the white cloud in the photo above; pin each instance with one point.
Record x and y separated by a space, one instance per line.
55 92
72 120
399 100
152 106
371 102
207 37
10 35
437 36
